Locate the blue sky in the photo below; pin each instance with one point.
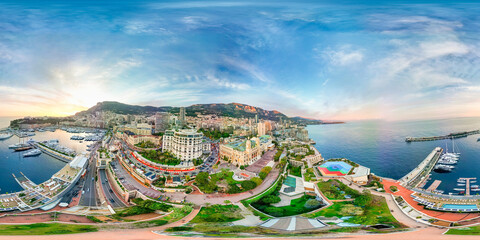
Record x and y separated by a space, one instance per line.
326 60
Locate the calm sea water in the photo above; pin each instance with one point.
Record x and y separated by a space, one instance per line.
381 146
38 169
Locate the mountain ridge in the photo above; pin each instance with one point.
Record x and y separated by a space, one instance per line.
234 109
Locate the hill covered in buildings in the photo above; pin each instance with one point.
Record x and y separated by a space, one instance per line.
236 110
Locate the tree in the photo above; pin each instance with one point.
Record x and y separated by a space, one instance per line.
269 199
257 180
233 188
202 178
364 199
312 203
248 185
264 172
274 211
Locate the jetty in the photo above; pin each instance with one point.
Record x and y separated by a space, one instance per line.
467 184
434 186
449 136
418 174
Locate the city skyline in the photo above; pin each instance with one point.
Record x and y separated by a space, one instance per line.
331 61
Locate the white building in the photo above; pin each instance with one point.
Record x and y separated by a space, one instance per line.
186 144
261 129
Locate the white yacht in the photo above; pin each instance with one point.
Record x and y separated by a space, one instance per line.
4 136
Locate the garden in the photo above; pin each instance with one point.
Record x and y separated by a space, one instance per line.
223 182
160 157
146 144
218 213
142 207
303 204
365 208
336 190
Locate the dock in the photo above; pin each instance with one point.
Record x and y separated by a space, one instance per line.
434 186
467 185
415 177
449 136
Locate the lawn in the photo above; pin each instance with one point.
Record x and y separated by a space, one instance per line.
475 230
45 229
177 214
143 206
218 213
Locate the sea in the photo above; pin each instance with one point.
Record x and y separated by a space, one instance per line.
38 169
380 146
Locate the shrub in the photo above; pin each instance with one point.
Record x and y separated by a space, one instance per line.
248 185
393 188
274 211
257 180
312 203
269 199
233 188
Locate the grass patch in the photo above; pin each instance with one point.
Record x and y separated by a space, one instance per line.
45 229
218 213
177 214
365 210
297 206
334 189
142 207
475 230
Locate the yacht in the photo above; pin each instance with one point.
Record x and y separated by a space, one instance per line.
441 168
459 189
4 136
32 153
18 145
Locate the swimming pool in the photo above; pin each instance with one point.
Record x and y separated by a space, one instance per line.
290 181
460 206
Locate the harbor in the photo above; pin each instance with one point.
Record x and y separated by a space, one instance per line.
449 136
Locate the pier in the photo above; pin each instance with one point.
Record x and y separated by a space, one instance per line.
467 184
449 136
60 156
434 186
418 174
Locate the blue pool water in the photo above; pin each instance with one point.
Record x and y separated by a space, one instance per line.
290 181
346 224
460 206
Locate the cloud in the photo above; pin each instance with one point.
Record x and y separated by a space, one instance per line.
343 56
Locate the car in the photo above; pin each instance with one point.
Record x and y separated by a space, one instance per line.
111 200
110 190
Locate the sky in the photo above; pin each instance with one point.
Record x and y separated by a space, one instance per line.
331 60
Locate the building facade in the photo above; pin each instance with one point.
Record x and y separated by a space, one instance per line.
162 120
245 152
186 144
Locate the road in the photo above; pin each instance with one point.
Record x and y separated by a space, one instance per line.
112 198
130 183
89 196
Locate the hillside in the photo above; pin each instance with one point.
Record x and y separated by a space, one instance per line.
121 108
236 110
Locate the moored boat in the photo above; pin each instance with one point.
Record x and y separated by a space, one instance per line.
32 153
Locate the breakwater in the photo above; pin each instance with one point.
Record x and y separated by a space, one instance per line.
449 136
